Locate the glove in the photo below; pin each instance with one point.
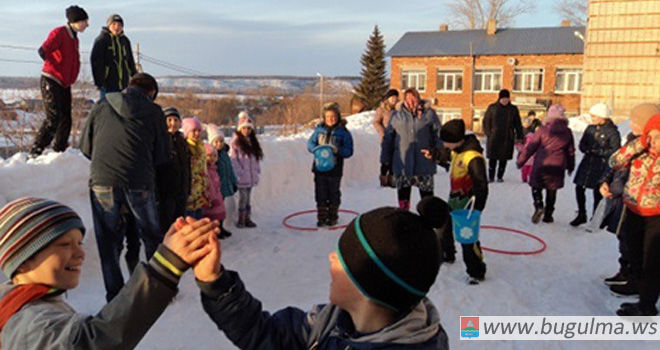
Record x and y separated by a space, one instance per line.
442 155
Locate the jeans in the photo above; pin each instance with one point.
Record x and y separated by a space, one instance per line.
110 229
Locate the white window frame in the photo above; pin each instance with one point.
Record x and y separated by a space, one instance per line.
491 73
527 74
449 74
567 72
413 76
447 114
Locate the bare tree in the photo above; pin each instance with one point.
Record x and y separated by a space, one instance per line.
573 10
474 14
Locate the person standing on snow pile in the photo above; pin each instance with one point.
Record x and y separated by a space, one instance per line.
41 254
385 262
215 210
327 178
467 179
245 153
125 137
598 142
642 217
380 122
197 200
174 180
553 149
112 58
60 71
626 281
503 128
412 128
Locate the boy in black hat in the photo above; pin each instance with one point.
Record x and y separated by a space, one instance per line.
468 179
384 265
59 72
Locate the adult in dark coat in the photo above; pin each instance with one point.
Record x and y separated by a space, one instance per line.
554 153
503 128
598 142
174 178
112 58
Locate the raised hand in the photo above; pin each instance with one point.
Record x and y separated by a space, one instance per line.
188 238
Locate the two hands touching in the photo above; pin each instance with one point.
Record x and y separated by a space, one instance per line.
196 243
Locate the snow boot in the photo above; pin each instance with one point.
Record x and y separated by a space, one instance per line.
631 287
547 215
322 216
636 309
223 232
580 219
538 213
474 280
241 219
619 279
539 210
333 215
248 222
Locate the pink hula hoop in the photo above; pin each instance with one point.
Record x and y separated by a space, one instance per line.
302 228
513 252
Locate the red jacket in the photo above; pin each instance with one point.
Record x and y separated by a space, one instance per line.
62 59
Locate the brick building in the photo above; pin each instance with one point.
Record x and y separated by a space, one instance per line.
462 71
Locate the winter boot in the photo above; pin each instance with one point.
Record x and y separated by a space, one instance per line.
631 287
405 205
249 223
241 219
321 216
580 219
383 181
636 309
537 194
223 232
333 215
547 215
619 279
538 213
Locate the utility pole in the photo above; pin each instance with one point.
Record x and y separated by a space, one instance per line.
138 65
321 88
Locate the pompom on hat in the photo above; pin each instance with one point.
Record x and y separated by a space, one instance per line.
244 121
28 225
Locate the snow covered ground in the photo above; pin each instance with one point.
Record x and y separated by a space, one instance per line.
284 267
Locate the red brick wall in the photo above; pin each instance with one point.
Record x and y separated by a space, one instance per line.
481 100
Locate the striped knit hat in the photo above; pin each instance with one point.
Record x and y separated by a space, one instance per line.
29 224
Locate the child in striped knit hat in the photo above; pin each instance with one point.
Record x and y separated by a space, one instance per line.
42 255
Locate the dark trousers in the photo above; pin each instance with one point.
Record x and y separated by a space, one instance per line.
492 166
110 229
643 238
57 105
473 256
403 194
132 231
550 199
582 199
169 209
326 191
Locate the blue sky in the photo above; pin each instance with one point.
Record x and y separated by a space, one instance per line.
285 37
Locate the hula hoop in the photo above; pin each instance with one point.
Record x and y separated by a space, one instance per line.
510 252
301 228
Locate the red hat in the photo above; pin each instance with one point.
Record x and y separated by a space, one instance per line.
652 124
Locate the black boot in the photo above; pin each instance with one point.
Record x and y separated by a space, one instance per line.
580 219
321 216
223 232
333 215
248 222
547 215
537 194
636 309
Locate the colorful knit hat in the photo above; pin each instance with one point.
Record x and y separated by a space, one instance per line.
190 124
29 224
392 255
244 121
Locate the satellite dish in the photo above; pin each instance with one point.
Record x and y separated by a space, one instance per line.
511 61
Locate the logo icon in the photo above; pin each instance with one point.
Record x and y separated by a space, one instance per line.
469 327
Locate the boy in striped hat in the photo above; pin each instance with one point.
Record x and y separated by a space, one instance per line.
384 265
41 253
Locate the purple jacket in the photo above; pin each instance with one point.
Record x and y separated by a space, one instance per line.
553 147
245 166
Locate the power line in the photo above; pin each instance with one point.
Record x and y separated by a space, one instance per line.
19 61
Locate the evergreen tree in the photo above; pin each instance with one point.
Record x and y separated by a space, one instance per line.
373 84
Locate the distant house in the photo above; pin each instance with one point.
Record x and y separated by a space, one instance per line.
461 71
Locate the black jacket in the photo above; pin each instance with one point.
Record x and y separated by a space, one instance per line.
597 143
125 137
174 177
502 126
112 61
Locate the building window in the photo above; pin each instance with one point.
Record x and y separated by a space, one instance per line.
488 80
447 114
449 81
569 80
528 80
413 79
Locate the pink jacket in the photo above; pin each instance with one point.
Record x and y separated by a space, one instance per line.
520 147
246 166
216 210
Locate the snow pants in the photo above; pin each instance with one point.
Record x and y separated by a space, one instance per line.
57 104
